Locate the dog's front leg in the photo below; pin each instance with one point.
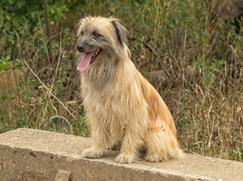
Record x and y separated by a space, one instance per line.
130 144
100 142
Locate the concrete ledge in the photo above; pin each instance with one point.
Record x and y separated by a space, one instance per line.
28 154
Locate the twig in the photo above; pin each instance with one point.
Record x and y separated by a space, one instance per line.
63 118
47 31
49 91
58 62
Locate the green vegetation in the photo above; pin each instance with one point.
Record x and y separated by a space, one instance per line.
197 60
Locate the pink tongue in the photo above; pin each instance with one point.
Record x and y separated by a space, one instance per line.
84 63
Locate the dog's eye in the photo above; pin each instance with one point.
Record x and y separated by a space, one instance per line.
96 34
81 33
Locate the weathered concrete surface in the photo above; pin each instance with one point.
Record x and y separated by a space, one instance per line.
27 154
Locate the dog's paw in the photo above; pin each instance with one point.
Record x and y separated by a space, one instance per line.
92 153
125 158
155 158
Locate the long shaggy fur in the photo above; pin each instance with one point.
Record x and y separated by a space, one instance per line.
124 110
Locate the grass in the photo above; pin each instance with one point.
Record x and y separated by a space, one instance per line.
193 60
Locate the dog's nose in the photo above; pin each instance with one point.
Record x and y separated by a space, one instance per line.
80 48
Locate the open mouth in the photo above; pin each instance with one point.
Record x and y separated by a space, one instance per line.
88 59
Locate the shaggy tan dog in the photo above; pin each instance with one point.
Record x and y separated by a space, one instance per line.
124 110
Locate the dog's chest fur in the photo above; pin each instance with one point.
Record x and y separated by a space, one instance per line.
117 99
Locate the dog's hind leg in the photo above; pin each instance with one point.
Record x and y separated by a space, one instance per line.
161 145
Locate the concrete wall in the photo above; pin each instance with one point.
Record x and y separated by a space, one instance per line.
27 154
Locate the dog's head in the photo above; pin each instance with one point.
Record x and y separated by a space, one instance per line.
99 40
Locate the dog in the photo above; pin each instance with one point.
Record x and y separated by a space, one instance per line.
123 109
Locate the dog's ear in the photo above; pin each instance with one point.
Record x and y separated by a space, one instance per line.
121 32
